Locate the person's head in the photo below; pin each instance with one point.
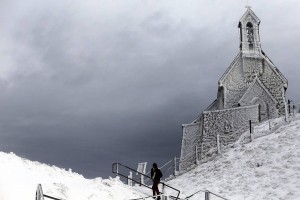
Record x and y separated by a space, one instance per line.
154 165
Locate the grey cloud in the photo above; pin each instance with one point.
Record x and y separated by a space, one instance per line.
94 83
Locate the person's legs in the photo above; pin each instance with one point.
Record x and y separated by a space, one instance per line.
155 188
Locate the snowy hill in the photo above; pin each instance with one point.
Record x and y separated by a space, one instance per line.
19 178
267 168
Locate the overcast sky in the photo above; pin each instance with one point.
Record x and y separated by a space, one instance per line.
84 84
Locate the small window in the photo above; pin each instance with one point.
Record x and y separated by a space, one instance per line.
249 30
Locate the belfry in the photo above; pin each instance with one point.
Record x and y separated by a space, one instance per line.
252 88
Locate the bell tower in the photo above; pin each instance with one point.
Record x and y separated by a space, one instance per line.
249 34
250 47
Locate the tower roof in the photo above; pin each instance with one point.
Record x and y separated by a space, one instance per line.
247 14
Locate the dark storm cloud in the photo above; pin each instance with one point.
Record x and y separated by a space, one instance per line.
85 84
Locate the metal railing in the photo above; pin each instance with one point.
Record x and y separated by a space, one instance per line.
169 170
116 168
39 195
207 195
291 109
162 197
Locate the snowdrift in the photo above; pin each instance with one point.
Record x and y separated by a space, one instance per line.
19 178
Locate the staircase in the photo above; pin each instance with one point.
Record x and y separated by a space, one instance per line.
120 170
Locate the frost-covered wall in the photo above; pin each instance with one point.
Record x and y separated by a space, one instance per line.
190 139
228 123
258 94
241 75
275 84
233 83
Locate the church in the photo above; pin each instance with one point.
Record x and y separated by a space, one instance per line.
252 88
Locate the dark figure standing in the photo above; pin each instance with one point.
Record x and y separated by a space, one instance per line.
155 175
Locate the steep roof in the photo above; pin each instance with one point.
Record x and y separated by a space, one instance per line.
247 13
236 59
275 69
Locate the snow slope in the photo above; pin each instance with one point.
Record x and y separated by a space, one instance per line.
19 178
267 168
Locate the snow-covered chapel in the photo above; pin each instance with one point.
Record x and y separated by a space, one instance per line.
252 88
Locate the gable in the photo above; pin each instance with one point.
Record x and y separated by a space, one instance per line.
249 14
257 89
275 70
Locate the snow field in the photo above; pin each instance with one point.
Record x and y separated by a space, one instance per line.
267 168
19 179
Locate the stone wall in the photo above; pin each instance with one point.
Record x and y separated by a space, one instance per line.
228 123
234 84
275 85
190 139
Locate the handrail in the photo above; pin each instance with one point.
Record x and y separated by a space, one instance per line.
217 195
147 197
51 197
116 166
160 168
206 192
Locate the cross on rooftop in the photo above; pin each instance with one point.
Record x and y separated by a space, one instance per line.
247 5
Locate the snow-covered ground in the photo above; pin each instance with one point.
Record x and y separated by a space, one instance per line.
266 168
19 178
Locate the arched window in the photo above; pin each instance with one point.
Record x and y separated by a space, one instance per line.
249 30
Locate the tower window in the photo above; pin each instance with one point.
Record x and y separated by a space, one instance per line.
249 30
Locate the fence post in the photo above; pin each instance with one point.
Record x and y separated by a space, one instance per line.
174 173
286 112
142 180
218 143
250 125
206 195
289 106
142 170
196 152
293 110
129 181
163 188
39 193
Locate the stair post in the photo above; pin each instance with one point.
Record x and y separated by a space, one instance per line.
206 195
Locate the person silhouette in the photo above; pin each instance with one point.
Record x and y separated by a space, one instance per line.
155 175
